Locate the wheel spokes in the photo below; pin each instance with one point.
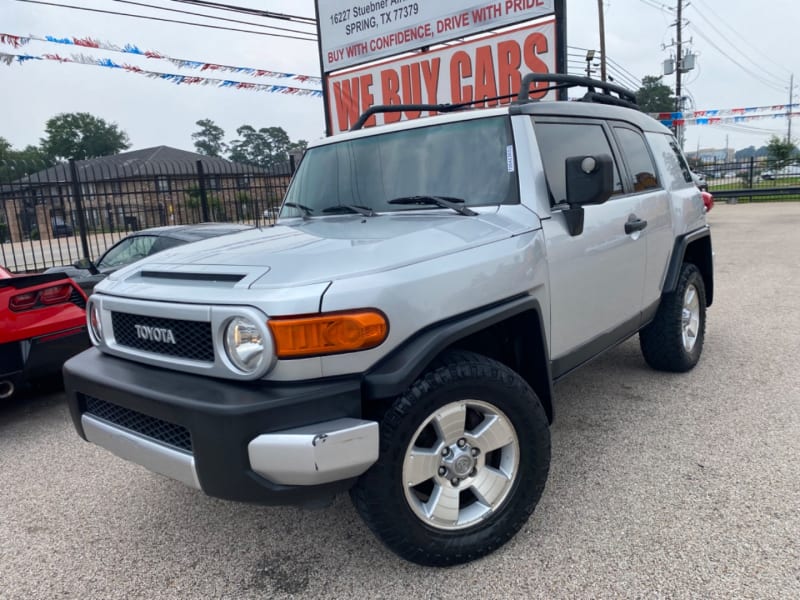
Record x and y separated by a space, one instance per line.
489 485
444 504
493 433
449 423
422 465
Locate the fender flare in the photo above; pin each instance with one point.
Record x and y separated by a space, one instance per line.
395 373
706 267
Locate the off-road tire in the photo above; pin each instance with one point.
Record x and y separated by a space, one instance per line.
380 495
662 341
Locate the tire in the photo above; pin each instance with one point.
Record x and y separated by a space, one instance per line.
471 440
674 340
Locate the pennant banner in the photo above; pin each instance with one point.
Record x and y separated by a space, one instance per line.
723 112
726 119
18 41
83 59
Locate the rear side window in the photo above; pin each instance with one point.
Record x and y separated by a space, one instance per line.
666 150
640 163
559 141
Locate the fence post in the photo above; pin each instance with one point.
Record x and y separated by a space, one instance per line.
752 171
76 194
201 178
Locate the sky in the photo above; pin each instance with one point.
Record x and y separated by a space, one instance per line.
745 57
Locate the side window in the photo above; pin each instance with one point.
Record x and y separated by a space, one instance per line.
127 251
687 173
559 141
635 152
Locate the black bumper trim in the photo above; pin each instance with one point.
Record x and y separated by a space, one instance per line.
222 417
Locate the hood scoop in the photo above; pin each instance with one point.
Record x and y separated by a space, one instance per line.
183 276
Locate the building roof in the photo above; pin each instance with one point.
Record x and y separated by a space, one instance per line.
159 161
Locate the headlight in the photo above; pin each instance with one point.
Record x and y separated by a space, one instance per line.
244 344
94 322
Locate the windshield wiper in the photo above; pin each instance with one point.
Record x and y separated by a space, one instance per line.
364 211
440 201
307 210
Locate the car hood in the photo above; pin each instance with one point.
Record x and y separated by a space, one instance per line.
321 250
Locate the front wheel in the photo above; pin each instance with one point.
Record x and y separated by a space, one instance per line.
464 459
674 340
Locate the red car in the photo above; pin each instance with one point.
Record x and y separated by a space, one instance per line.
708 200
42 324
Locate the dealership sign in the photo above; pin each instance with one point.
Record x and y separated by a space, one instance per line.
478 70
360 31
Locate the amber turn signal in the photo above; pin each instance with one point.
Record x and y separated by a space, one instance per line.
330 333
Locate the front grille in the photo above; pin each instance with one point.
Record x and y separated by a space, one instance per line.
156 429
192 338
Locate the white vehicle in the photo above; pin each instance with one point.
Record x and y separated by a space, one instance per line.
398 332
782 173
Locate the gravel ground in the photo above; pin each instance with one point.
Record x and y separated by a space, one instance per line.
661 486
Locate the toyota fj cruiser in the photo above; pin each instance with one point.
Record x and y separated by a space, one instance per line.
398 332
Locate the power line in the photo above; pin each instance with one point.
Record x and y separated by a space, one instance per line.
738 33
734 46
165 20
737 63
250 11
206 16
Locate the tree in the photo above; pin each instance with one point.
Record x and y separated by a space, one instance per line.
18 163
267 147
654 96
780 152
81 136
209 140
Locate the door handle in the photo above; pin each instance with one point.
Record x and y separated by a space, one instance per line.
634 224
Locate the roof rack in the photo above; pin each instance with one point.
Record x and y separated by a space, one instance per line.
624 97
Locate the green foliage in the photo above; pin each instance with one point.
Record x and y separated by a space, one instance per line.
15 164
266 147
209 140
81 136
780 152
654 96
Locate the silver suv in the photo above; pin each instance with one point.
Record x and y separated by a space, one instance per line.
399 331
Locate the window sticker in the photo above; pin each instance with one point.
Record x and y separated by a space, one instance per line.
510 158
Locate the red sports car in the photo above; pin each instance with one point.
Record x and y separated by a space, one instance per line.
42 324
708 200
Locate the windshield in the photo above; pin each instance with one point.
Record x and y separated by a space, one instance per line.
469 160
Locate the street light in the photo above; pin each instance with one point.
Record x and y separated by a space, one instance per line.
589 59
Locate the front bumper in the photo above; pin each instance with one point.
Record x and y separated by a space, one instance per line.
248 441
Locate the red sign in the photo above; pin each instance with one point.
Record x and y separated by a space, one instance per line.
476 70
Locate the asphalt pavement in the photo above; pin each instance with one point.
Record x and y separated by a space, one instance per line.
661 485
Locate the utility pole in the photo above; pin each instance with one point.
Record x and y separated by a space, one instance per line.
789 110
602 20
679 68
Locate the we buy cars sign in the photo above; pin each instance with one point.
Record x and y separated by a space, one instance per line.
476 70
353 32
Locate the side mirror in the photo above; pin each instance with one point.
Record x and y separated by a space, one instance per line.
590 180
85 263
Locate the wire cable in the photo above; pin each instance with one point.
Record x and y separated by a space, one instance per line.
206 16
165 20
249 11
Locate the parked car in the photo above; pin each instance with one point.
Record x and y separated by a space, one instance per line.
61 228
708 200
139 245
782 173
44 323
399 331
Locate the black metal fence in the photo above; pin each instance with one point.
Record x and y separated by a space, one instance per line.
59 214
751 179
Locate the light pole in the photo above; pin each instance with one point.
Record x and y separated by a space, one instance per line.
589 59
